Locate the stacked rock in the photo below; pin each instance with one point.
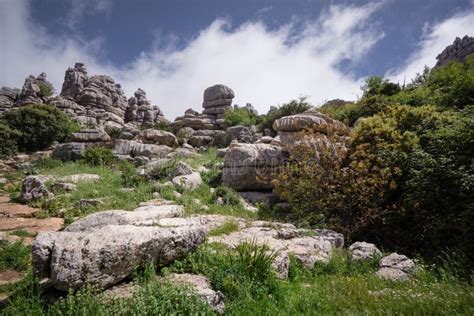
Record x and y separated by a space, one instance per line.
458 51
94 101
209 127
35 90
8 97
141 113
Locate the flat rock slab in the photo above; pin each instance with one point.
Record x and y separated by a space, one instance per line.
31 225
82 177
10 277
4 198
16 210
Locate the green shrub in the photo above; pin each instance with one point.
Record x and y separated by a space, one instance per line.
229 226
163 126
228 195
99 156
14 256
39 125
291 108
379 86
129 175
9 138
162 170
240 116
46 90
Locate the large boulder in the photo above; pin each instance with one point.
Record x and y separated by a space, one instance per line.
157 137
310 119
363 251
189 181
396 267
90 135
252 166
135 149
33 187
104 248
241 134
70 151
217 95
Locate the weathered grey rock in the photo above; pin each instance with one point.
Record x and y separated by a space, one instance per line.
103 257
221 152
458 51
259 197
90 135
252 166
143 216
240 133
201 285
8 97
70 151
310 119
33 187
34 89
336 239
140 111
64 186
134 149
396 267
362 251
157 137
74 81
180 169
217 92
80 177
184 133
189 181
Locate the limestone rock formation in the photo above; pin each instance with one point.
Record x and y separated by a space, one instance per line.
157 137
363 251
252 166
74 81
140 112
132 149
458 51
90 135
105 250
8 97
35 90
33 187
396 267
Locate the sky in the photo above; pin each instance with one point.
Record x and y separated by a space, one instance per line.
268 52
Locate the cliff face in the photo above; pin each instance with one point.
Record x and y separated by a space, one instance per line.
458 51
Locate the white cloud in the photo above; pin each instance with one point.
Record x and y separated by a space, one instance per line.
264 67
435 38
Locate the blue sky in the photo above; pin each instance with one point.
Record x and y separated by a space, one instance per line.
268 51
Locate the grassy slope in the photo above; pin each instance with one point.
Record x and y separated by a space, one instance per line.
341 287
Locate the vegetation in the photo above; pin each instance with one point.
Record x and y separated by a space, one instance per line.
9 139
291 108
226 228
38 126
46 90
99 156
14 255
407 180
240 116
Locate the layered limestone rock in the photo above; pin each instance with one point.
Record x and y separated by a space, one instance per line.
252 166
104 248
458 51
8 97
92 101
35 90
210 124
140 112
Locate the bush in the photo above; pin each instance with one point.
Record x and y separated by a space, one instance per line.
99 156
9 138
406 183
46 90
14 256
129 175
228 195
291 108
240 116
39 125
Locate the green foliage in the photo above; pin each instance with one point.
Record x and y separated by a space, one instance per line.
379 86
228 195
163 126
228 227
39 125
163 170
291 108
99 156
9 138
129 175
14 256
20 233
46 90
240 116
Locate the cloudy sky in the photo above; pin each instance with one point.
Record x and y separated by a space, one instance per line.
268 52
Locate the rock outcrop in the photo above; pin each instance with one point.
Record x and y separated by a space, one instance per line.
8 97
35 90
140 112
33 187
458 51
396 267
104 248
363 251
252 166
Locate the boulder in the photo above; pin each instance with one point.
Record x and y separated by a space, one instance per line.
157 137
202 287
184 133
181 169
241 134
104 257
8 97
189 181
310 119
217 95
90 135
80 177
133 149
252 166
32 188
70 151
396 267
362 251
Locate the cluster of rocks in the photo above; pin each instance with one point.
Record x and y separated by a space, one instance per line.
254 166
458 51
91 101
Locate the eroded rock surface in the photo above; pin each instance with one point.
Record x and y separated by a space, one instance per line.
396 267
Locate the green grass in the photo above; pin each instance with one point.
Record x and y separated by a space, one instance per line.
14 255
228 227
20 233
